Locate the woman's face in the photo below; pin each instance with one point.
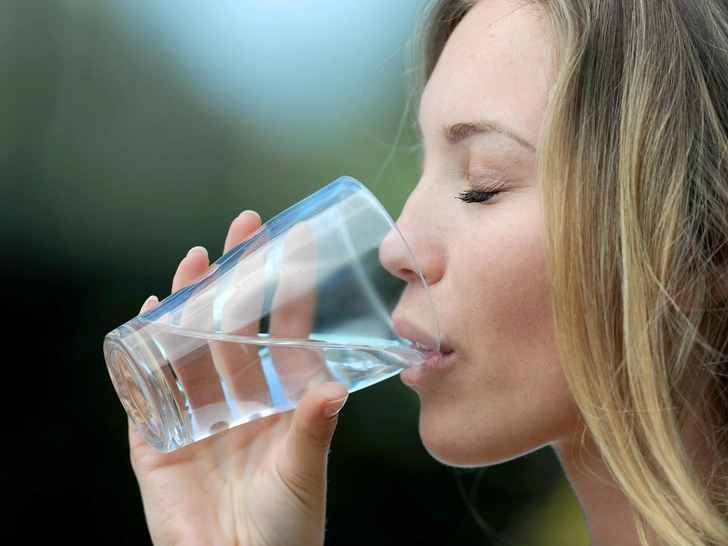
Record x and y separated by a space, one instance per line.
496 390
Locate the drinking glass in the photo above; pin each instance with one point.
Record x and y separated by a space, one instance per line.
304 300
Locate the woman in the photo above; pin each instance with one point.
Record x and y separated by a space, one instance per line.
572 224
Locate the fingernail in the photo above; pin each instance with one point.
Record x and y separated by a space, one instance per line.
250 212
197 248
151 299
334 407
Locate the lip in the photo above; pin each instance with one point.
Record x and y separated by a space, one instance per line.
410 332
434 360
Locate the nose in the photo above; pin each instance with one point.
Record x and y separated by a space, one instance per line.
411 247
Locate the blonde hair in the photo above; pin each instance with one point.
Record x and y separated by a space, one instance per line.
634 180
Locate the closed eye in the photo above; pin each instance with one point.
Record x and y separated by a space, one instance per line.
476 196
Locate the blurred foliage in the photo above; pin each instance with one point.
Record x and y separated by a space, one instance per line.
111 167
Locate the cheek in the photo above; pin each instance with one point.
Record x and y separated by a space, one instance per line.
508 339
510 393
505 288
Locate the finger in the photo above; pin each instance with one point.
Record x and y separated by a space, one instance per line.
191 267
242 228
152 301
189 357
198 371
136 440
241 307
196 363
303 463
293 312
188 352
189 371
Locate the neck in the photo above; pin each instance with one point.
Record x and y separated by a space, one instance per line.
607 510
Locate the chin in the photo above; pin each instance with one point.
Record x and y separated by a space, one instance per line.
481 459
462 458
467 449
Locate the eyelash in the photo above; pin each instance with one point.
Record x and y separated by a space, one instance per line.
476 196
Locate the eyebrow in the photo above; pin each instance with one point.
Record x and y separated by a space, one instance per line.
458 132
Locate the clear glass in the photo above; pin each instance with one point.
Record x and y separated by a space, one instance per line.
303 301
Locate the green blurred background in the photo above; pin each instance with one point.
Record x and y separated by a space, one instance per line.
132 130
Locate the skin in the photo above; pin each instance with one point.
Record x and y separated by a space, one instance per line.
263 483
494 391
497 389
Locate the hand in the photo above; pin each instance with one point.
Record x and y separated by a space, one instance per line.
263 482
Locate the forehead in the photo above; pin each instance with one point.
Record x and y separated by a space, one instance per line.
495 66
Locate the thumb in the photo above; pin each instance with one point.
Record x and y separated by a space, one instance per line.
309 438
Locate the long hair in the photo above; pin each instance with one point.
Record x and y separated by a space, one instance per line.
633 171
